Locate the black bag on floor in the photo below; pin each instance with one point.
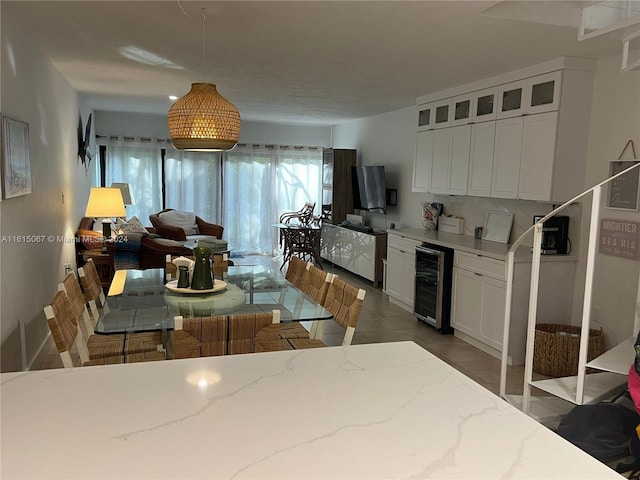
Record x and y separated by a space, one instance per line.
602 430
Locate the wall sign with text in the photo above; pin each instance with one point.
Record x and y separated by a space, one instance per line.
620 238
623 191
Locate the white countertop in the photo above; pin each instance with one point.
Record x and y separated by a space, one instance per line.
467 243
365 411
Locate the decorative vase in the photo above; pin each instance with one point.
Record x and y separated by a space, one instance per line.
201 279
183 277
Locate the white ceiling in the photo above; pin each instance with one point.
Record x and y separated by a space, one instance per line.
296 62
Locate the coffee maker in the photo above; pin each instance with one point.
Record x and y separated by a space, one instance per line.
555 235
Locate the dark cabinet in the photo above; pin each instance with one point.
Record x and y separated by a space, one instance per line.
337 190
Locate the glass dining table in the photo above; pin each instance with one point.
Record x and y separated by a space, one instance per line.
140 301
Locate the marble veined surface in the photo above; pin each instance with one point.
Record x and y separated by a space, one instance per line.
376 411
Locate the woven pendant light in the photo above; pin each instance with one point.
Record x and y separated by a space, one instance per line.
204 120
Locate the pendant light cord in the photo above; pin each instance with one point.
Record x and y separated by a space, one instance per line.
204 16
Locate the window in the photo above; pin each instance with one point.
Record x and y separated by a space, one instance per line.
245 189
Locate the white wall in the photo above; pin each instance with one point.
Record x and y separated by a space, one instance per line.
33 91
615 119
389 140
155 126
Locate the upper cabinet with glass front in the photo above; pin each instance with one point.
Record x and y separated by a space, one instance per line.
484 105
442 114
511 99
425 117
528 102
461 110
543 93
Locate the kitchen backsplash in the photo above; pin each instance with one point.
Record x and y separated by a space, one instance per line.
474 211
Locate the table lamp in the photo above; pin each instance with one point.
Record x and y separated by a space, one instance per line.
105 203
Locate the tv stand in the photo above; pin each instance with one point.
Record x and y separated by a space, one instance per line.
358 252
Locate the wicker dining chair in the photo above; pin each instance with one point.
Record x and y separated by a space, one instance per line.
315 284
295 271
71 287
133 343
185 338
64 330
267 337
344 301
92 287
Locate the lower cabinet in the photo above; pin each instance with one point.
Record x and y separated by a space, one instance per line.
479 297
478 307
401 270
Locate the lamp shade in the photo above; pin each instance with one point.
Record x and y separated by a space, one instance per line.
105 202
127 197
204 120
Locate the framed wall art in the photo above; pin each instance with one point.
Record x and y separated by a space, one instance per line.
623 190
16 166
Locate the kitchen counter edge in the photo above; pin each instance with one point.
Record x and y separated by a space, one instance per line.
467 243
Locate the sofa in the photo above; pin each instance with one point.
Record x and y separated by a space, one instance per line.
140 250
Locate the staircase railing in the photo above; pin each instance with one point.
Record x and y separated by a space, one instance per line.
533 292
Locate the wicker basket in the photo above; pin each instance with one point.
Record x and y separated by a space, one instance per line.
557 346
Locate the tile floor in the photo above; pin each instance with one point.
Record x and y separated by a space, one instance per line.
382 321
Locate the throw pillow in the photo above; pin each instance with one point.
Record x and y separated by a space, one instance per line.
184 220
133 225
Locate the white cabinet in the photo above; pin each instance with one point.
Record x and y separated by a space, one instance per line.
425 117
439 179
481 159
543 93
538 153
360 253
461 110
423 161
442 113
401 270
511 99
459 160
479 298
442 161
484 105
524 154
506 158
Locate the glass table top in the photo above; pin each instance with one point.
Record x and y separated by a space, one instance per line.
138 300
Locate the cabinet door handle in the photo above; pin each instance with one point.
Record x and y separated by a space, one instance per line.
478 274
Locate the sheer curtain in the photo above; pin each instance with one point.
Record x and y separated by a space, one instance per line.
260 182
139 165
192 183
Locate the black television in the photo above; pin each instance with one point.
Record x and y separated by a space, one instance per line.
369 188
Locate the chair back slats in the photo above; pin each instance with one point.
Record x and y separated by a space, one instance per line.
241 333
214 336
74 293
185 340
90 280
315 283
344 301
295 270
92 287
61 322
60 317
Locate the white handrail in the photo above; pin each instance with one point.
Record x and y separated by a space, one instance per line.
533 293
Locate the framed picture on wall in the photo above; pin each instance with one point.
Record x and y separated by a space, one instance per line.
16 166
623 190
